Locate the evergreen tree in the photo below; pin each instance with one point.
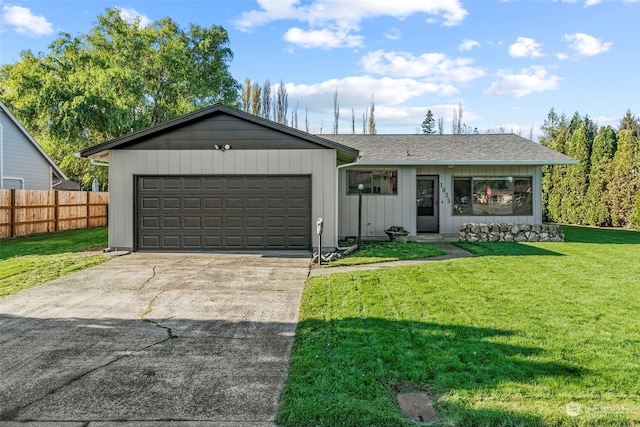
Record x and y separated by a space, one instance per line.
429 124
575 182
604 147
624 172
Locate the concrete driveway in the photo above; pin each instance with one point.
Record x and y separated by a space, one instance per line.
153 339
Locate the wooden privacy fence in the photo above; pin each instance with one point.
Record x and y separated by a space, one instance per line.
24 212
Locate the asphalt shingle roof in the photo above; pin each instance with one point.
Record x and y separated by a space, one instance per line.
450 149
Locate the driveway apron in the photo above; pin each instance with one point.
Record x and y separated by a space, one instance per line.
192 339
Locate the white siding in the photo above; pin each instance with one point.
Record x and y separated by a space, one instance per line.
124 164
22 160
380 212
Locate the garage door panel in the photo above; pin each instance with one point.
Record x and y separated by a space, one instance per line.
192 242
213 222
170 203
150 203
193 184
192 222
171 183
151 223
223 212
212 203
255 203
192 203
171 242
171 222
234 203
234 242
255 242
234 222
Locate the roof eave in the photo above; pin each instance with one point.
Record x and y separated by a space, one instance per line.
467 162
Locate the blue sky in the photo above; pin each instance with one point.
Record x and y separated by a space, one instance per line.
506 62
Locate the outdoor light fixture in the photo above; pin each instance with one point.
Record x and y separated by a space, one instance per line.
222 147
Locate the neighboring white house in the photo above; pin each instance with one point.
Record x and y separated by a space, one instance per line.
222 179
23 163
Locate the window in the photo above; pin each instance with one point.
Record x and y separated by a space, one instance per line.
488 196
375 182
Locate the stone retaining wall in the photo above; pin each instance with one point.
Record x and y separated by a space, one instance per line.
510 232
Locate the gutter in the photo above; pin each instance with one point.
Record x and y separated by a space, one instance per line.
337 193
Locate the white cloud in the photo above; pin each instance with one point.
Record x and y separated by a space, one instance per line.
562 56
525 47
25 22
525 82
393 34
337 16
468 45
324 39
353 11
130 15
356 92
431 66
586 45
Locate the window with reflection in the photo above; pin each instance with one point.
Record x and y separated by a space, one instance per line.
492 196
374 181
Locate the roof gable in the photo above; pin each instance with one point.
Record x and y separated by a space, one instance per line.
420 149
220 125
30 140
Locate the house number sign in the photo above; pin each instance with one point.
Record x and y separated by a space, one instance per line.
446 193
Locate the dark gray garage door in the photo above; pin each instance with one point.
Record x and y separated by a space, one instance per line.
223 212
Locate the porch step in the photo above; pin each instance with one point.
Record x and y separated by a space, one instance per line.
434 237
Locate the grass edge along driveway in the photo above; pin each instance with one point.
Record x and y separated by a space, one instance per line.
531 334
33 260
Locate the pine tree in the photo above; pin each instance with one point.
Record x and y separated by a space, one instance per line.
429 124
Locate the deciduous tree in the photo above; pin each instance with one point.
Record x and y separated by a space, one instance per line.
117 78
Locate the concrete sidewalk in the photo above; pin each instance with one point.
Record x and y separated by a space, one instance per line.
452 252
152 340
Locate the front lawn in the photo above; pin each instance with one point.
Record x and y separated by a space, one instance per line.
523 334
378 251
33 260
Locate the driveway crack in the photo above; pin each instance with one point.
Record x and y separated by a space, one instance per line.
148 311
153 274
13 413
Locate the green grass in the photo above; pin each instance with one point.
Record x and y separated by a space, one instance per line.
377 251
509 337
33 260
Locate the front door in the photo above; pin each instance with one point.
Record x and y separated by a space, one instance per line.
428 204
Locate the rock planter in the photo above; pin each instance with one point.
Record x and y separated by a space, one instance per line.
510 232
397 234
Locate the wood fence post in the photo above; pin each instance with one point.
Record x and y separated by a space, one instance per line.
12 227
56 213
88 208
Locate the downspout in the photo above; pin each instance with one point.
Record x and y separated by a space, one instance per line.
337 193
